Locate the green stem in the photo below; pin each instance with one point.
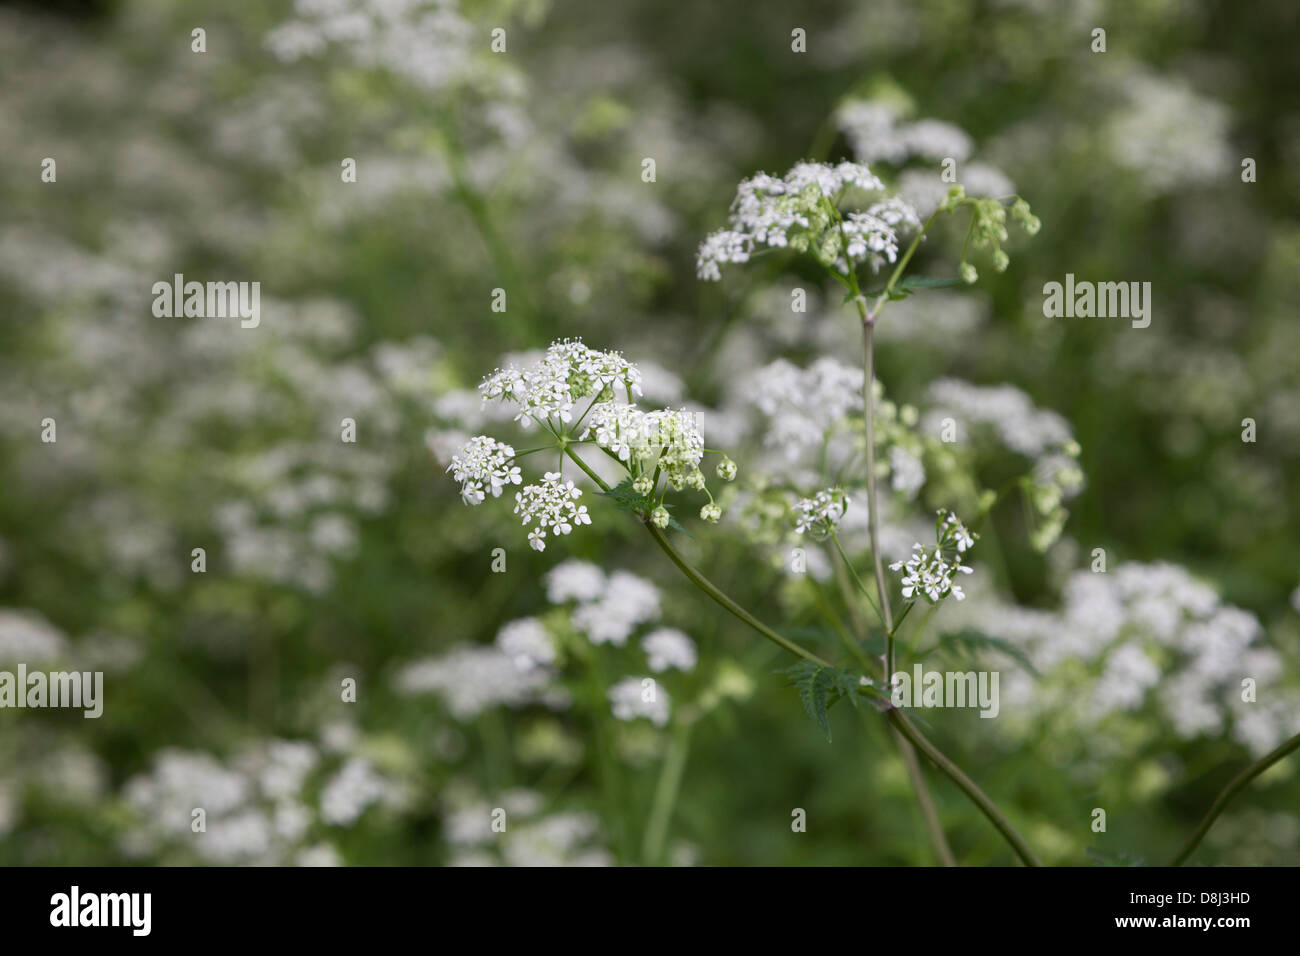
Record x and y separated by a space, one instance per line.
1231 790
932 825
857 580
914 736
967 785
873 516
666 791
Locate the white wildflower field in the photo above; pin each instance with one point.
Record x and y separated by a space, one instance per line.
456 433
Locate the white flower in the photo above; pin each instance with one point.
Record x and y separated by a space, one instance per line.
711 513
574 580
552 505
627 602
668 440
820 513
668 647
484 464
929 574
907 473
800 210
347 795
527 643
472 678
566 374
635 697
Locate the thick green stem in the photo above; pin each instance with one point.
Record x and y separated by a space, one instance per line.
967 785
1238 784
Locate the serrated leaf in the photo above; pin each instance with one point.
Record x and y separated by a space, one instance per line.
968 640
821 687
625 498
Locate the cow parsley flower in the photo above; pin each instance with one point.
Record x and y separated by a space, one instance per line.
551 505
578 394
574 580
930 574
625 603
566 374
527 642
667 648
668 440
820 513
801 211
633 697
484 464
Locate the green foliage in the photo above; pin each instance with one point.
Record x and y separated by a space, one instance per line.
820 687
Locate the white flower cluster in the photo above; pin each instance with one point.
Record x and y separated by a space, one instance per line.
566 374
532 838
669 649
258 805
800 210
527 642
635 697
1143 635
428 43
669 440
875 133
820 513
548 392
1006 410
611 607
28 637
802 405
550 505
471 678
1038 434
929 574
624 603
484 462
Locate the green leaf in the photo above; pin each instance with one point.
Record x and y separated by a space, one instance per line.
626 499
967 641
821 687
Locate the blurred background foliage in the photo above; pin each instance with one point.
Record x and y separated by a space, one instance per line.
522 171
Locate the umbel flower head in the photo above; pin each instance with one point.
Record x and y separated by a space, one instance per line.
820 513
930 574
579 395
802 210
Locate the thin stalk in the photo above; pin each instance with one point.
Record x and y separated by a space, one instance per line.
932 825
666 791
1238 784
857 580
967 785
895 716
873 516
